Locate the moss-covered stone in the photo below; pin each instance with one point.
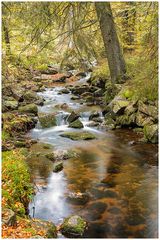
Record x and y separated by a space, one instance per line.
72 117
47 120
79 135
9 105
50 156
119 106
151 133
73 226
128 93
17 123
29 108
76 124
58 166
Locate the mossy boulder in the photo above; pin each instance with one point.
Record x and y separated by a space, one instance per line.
72 117
86 94
64 91
151 133
58 166
29 108
78 135
80 89
9 105
50 156
110 123
76 124
94 114
119 106
17 123
149 110
30 97
47 120
142 119
74 226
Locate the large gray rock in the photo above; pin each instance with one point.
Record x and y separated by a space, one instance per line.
74 226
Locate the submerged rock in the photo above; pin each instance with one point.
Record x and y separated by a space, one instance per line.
58 166
78 198
74 226
78 135
29 108
76 124
47 120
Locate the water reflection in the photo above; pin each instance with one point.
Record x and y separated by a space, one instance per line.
122 191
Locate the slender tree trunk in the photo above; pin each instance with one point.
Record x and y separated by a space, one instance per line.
113 51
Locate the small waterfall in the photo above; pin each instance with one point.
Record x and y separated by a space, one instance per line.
61 118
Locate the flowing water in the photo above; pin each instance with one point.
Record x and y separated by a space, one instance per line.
118 173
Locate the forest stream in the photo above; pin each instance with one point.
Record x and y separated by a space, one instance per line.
116 173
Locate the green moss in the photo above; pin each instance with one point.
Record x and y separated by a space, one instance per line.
73 225
76 124
58 166
5 136
78 135
16 186
128 93
47 120
29 108
100 71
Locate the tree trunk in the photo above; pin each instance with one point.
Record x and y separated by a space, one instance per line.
113 51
